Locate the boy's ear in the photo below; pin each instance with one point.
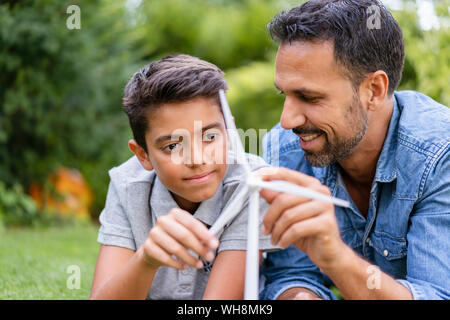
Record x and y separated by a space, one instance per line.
140 154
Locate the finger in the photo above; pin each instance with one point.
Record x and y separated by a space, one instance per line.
281 203
279 173
296 214
173 248
269 195
266 171
155 252
289 175
184 236
301 229
197 227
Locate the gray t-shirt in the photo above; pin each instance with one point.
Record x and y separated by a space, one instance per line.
136 198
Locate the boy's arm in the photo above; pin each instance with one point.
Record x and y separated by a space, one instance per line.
121 273
226 281
125 274
227 278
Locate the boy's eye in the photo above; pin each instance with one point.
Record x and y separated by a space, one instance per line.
172 146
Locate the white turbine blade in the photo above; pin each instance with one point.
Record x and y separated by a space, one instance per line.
252 259
236 142
230 212
287 187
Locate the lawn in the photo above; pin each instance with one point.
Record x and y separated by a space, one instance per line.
34 263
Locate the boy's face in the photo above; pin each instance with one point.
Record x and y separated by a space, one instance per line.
186 144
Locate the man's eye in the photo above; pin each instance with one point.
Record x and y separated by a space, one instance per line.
308 99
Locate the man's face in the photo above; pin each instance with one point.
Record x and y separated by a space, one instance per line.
186 144
321 105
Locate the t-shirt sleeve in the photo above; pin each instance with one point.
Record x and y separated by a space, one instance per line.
115 229
234 236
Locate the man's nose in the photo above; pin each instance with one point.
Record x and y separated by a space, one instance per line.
292 115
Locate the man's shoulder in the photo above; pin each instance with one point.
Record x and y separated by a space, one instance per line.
423 142
424 123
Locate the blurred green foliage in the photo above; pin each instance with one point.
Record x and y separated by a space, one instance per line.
16 208
427 54
227 33
60 89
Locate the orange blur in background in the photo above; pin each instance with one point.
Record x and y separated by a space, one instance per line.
70 195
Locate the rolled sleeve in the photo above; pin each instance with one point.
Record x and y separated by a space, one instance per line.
422 290
291 268
416 291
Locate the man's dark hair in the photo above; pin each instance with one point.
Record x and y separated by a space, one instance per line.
174 78
365 35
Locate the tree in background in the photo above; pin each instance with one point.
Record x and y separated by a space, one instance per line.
60 93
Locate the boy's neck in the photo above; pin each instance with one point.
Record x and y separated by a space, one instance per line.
184 204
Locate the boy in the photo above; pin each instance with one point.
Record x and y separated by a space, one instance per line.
154 228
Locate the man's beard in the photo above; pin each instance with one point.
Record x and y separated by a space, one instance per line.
340 148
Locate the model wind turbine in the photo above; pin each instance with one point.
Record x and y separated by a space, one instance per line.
253 185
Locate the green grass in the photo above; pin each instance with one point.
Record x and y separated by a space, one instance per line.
34 262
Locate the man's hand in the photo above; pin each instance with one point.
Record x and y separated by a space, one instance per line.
310 225
173 235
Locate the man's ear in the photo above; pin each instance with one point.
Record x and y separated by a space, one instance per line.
140 154
376 87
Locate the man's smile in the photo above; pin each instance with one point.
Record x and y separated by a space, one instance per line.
309 141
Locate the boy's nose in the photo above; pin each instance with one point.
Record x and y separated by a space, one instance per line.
196 154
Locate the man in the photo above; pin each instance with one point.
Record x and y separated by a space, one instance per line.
344 131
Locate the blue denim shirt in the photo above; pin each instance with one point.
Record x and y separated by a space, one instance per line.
407 229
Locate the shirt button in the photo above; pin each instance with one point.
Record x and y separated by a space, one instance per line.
185 287
385 253
368 240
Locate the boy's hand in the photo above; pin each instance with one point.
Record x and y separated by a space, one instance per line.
173 235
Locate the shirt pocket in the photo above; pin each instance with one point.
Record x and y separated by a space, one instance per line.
389 254
388 247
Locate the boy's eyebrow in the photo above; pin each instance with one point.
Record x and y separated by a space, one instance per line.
209 126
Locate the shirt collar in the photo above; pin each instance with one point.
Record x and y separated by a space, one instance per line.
386 166
161 202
